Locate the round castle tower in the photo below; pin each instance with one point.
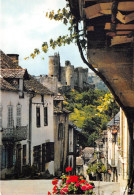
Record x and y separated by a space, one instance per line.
54 66
69 74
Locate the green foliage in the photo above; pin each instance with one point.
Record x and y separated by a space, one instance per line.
95 168
91 111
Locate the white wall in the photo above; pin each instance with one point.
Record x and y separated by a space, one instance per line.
12 98
43 133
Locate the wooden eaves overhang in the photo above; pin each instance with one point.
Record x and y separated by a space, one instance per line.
110 34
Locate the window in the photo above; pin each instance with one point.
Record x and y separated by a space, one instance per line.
38 116
24 154
61 131
18 115
45 116
10 116
0 117
48 152
37 157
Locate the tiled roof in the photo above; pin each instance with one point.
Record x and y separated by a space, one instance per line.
79 161
6 62
115 120
11 70
58 110
58 97
88 150
6 85
13 73
74 126
32 85
92 160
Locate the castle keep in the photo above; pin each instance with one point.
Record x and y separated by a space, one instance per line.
66 77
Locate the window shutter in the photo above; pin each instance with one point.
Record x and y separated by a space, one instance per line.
45 116
10 116
18 116
0 117
49 151
38 116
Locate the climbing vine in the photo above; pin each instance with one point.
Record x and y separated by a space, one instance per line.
65 16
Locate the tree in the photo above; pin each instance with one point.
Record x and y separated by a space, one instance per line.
91 111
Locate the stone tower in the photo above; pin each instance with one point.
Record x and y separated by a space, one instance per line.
69 74
54 66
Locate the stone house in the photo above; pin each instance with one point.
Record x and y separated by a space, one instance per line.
60 126
26 120
74 135
87 154
79 165
123 151
113 136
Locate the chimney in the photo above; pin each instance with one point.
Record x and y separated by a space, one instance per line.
14 58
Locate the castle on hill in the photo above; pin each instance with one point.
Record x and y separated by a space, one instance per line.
62 78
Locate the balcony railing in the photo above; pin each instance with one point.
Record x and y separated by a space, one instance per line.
15 134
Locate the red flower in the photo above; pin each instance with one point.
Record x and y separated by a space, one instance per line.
55 181
55 189
77 184
84 188
64 190
82 181
74 178
49 193
89 186
68 169
68 181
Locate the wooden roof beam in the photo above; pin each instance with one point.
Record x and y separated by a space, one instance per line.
121 40
125 18
100 9
120 27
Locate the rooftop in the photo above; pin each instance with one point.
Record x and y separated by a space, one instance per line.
10 70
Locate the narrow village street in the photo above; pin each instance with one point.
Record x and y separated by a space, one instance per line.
70 116
41 187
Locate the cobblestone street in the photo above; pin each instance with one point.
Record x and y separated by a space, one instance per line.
41 187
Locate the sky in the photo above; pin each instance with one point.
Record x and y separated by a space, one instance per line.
24 27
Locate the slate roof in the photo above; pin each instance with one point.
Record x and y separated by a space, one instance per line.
13 73
58 110
115 120
58 97
6 62
88 151
4 85
32 85
92 160
11 70
79 161
74 126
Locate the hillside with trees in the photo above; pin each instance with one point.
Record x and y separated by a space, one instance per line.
90 110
